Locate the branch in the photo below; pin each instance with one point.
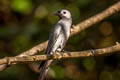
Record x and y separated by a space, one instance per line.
78 28
75 29
95 19
57 55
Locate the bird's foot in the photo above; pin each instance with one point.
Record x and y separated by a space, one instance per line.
93 52
59 54
63 51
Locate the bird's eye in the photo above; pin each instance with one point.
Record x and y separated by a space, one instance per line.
64 12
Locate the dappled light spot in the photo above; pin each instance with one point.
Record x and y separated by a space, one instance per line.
106 28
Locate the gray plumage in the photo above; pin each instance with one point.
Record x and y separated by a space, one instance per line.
57 39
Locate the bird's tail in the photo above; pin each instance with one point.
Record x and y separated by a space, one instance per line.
44 67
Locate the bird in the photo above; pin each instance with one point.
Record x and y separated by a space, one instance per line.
58 37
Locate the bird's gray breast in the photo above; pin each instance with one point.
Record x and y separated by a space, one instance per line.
65 33
63 30
66 28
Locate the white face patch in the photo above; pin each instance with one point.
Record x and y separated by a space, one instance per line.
65 13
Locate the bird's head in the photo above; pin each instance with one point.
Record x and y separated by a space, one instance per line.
63 14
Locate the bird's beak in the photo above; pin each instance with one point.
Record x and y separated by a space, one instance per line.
56 14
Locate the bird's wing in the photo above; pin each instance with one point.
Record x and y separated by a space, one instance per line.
55 32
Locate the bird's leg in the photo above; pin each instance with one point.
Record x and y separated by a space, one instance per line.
60 51
93 52
63 51
68 53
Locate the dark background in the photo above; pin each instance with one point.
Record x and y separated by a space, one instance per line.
26 23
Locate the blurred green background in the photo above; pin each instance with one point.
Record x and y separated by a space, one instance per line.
26 23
